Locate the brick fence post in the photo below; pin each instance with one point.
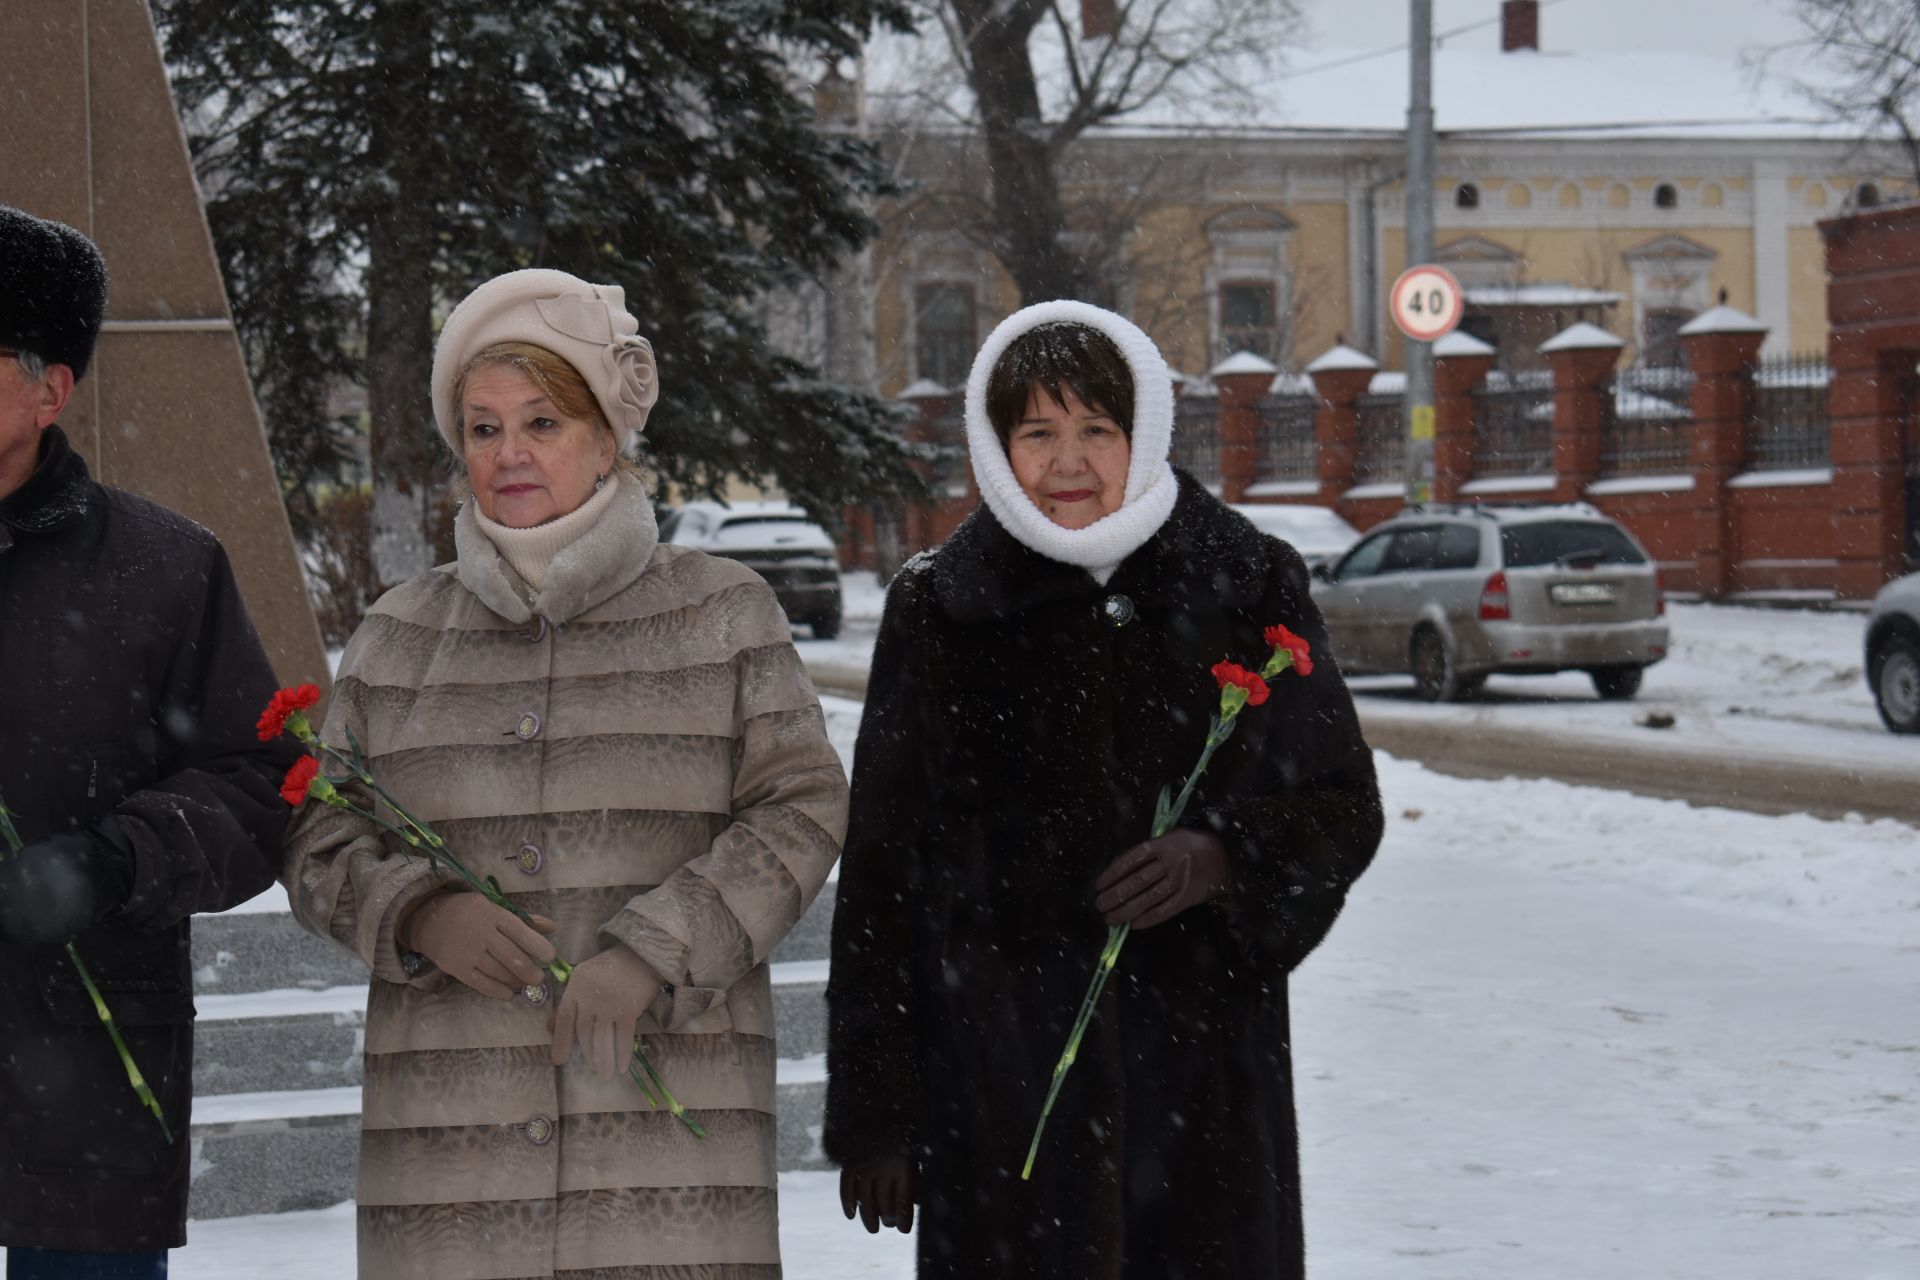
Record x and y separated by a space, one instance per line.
1340 376
1582 357
931 402
1244 380
1461 363
1721 345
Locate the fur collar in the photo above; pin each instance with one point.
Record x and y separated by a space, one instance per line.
601 563
1205 555
1150 491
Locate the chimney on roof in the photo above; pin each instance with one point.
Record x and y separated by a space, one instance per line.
1519 25
1099 19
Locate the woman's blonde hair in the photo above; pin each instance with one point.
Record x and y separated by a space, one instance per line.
558 381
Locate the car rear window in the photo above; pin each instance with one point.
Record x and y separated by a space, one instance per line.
1552 542
769 532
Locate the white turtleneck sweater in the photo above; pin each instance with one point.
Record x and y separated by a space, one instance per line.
531 551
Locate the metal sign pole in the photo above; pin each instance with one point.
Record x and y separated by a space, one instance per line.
1419 240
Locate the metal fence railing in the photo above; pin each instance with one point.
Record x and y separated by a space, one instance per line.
1196 438
1513 424
1790 429
1287 446
1644 422
1381 447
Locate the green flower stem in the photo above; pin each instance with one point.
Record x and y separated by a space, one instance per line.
139 1082
7 829
1217 733
680 1113
141 1089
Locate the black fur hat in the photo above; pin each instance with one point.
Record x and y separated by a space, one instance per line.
53 289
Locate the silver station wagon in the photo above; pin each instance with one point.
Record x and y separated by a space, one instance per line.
1453 594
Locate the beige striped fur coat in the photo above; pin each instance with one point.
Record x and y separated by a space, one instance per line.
635 752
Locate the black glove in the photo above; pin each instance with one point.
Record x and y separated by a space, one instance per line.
1152 883
883 1189
57 888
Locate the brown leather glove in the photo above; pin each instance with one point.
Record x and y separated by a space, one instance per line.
1152 883
484 946
602 1006
883 1190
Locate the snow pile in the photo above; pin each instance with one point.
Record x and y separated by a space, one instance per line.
1853 879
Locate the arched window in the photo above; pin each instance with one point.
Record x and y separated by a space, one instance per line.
1866 195
1665 197
1466 196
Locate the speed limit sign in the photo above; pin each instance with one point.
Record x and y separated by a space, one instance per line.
1427 302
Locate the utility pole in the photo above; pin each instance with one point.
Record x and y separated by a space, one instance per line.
1419 242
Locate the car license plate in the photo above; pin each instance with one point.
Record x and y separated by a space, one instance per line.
1582 593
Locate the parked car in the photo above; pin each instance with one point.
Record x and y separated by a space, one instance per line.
1317 533
777 541
1452 594
1893 653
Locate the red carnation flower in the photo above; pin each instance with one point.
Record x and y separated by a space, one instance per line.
294 789
1232 673
286 703
1281 638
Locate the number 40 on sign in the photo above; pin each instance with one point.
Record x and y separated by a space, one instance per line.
1427 302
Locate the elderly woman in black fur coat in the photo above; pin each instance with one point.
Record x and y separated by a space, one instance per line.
1038 679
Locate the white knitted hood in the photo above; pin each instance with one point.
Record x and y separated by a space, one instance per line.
1151 488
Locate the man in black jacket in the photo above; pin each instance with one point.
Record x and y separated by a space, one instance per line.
130 680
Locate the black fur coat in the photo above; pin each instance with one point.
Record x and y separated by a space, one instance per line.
1013 743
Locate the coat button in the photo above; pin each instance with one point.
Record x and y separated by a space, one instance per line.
538 631
539 1131
537 995
529 727
529 859
1119 610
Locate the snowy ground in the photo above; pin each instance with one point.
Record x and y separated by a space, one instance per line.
1560 1031
1743 682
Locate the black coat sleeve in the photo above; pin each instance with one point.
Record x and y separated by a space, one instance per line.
874 1077
1302 818
206 836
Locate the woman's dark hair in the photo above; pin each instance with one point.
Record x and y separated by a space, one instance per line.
1056 355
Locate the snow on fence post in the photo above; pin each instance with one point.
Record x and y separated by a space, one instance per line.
1243 379
1461 363
1582 358
938 442
1340 376
1721 346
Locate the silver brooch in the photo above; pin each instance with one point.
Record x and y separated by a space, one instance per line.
1119 610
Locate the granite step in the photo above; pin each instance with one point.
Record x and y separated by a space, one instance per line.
275 1152
276 1041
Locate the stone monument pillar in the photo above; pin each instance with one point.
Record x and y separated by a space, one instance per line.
166 410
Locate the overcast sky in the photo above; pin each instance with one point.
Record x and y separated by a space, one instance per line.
1726 27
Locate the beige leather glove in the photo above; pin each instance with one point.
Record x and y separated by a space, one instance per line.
484 946
601 1008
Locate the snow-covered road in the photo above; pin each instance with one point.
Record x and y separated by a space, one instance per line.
1559 1032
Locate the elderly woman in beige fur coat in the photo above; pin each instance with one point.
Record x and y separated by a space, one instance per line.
622 733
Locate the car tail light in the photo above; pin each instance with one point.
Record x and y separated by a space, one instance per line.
1659 595
1493 599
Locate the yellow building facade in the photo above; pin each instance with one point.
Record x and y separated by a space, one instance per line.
1287 242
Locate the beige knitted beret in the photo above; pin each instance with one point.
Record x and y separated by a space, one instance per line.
587 325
